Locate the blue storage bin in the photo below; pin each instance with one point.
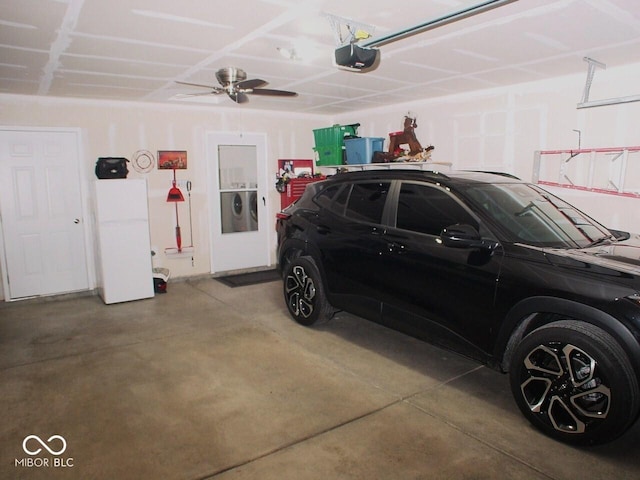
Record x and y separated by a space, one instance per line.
360 150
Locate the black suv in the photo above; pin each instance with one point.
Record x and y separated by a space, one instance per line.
489 266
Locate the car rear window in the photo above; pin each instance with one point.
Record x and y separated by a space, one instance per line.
366 201
326 196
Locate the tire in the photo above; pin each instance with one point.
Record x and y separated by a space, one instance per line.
575 383
304 293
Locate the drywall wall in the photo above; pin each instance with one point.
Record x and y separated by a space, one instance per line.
120 129
491 130
500 129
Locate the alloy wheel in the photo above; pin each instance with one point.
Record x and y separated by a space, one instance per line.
566 386
300 291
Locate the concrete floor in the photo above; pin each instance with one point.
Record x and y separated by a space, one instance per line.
212 382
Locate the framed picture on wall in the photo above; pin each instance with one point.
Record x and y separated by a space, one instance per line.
172 159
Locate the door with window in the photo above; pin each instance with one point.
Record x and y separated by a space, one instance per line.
238 199
41 206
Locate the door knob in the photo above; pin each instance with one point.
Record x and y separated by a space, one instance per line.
77 220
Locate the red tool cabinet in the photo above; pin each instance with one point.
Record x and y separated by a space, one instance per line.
298 173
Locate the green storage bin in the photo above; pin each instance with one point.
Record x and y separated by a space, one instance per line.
329 155
329 143
334 135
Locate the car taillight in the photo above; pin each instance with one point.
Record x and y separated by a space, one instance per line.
281 216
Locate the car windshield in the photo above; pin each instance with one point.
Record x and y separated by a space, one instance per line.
530 215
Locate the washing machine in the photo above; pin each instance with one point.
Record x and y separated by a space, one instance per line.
253 211
239 211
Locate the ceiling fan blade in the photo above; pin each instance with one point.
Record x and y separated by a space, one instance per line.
234 83
250 84
204 94
275 93
238 97
211 87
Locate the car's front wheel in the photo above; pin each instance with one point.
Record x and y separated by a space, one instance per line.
304 292
574 382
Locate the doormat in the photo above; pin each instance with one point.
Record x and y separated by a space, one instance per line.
250 278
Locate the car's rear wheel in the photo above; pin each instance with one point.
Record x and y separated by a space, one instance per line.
574 382
304 292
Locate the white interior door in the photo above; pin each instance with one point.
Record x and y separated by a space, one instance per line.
41 208
238 179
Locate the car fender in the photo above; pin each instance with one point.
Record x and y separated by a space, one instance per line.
295 247
531 313
290 248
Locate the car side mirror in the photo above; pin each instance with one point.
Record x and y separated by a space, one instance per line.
620 235
465 236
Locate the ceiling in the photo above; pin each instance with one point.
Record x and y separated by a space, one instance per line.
136 50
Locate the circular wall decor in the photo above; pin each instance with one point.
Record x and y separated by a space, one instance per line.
143 161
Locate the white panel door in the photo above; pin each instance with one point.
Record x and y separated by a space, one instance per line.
41 208
238 179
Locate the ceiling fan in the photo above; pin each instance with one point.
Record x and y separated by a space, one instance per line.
233 81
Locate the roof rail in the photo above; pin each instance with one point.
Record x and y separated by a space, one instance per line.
502 174
399 171
438 173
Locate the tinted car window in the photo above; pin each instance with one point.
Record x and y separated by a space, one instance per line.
427 209
340 202
325 197
366 202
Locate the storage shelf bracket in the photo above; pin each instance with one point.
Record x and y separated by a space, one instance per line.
586 103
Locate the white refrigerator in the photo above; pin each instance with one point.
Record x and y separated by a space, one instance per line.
124 269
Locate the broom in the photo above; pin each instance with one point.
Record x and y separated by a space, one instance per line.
175 196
